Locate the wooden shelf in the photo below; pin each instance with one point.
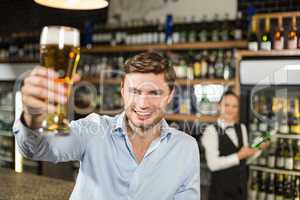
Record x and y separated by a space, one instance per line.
185 117
277 14
275 171
181 82
180 46
272 53
19 61
204 81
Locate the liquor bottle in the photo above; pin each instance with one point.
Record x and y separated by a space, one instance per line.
271 187
272 156
211 65
265 43
297 188
262 189
238 33
280 154
288 188
204 65
263 110
204 105
295 121
289 155
279 190
279 36
284 127
292 35
253 186
252 37
225 30
192 34
203 34
219 65
197 67
169 30
228 67
215 29
297 156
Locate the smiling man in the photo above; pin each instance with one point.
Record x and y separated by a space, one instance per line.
134 155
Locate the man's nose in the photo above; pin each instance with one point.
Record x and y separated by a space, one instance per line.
142 101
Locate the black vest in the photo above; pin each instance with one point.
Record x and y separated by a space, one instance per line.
230 183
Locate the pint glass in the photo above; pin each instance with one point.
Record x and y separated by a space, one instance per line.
59 50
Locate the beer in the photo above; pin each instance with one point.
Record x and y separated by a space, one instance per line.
60 52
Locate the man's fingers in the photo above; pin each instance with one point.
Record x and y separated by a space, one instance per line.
43 71
36 107
37 81
44 94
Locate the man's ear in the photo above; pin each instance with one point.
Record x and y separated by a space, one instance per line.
171 95
122 87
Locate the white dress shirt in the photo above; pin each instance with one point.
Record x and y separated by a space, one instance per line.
210 142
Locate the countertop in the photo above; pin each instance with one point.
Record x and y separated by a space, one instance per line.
25 186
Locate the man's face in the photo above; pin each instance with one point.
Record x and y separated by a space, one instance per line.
229 108
146 96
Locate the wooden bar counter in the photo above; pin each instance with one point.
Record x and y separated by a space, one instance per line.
25 186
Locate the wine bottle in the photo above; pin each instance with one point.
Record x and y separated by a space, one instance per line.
289 155
265 43
297 189
288 188
295 122
262 189
297 156
271 187
280 154
272 156
279 187
279 36
292 35
253 186
252 37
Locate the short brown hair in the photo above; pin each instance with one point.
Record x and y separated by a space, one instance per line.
151 62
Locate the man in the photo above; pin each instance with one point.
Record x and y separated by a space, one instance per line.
226 148
134 155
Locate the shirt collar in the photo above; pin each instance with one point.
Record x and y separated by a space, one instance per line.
223 124
119 128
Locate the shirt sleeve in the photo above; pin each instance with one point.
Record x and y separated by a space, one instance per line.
245 135
54 147
210 143
190 189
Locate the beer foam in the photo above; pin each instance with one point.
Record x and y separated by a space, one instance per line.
60 35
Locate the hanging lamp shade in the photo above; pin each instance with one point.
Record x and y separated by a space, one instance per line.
74 4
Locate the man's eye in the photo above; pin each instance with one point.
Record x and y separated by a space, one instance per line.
134 91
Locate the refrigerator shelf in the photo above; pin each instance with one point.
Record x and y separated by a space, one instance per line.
287 136
275 171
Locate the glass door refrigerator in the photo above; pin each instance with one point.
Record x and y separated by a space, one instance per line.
270 100
11 107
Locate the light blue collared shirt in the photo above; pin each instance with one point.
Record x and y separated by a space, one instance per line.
170 169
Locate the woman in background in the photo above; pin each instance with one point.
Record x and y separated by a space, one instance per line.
226 150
